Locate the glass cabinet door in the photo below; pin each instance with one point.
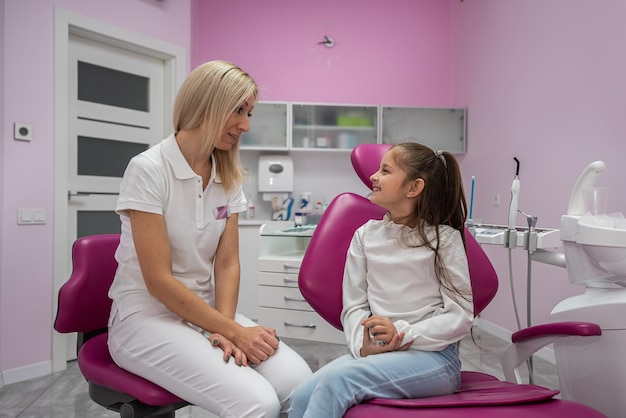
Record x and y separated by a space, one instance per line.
268 127
336 127
437 128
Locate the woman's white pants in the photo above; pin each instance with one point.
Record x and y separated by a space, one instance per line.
166 350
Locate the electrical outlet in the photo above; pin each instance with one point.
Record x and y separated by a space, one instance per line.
22 132
496 199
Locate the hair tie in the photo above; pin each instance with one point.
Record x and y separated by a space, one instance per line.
439 155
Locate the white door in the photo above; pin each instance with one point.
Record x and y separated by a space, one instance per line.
115 111
112 88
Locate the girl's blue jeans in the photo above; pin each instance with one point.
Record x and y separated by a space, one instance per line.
347 381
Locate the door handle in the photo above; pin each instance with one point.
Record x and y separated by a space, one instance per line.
71 194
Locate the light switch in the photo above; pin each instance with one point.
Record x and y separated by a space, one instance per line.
24 216
39 216
31 216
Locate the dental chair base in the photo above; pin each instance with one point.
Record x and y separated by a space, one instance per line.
591 370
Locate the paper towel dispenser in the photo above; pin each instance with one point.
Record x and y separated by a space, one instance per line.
275 173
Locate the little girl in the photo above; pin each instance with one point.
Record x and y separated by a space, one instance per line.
406 291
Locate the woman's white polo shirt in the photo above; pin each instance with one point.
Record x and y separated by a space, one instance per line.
160 181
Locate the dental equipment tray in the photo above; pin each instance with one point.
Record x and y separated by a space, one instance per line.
495 234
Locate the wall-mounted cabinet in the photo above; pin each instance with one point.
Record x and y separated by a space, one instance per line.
269 127
333 127
436 128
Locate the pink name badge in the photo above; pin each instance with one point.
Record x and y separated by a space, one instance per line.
221 212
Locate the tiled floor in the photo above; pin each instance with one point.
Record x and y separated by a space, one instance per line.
64 394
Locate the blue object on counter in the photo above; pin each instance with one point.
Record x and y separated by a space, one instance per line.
284 213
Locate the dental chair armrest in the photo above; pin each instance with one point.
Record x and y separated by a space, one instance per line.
528 341
582 329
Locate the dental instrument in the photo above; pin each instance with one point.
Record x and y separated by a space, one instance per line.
511 237
472 200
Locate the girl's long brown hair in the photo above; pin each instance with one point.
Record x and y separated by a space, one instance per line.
441 202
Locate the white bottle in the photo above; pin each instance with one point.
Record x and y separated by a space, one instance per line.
250 211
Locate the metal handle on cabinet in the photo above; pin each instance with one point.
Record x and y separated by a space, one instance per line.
290 267
290 299
289 324
290 281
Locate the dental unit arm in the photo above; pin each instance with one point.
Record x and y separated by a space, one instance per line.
590 370
532 239
535 241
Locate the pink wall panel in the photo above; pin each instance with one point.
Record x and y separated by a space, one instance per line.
544 81
27 168
390 52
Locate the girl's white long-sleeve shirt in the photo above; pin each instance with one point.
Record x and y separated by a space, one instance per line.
384 277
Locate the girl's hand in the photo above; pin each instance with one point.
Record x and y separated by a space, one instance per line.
385 337
230 350
381 328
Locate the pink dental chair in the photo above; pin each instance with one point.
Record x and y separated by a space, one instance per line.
480 395
84 308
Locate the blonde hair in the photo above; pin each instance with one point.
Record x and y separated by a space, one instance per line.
212 92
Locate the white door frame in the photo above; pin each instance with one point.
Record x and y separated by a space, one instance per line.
66 23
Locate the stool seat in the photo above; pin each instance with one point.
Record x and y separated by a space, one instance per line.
97 366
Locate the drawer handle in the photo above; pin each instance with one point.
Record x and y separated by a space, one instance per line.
290 267
290 299
290 281
289 324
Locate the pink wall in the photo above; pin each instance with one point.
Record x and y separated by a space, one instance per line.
27 175
544 81
395 53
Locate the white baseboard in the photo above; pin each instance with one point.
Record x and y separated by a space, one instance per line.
546 353
27 372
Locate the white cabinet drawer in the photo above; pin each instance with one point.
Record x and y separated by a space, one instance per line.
277 279
280 264
283 298
300 324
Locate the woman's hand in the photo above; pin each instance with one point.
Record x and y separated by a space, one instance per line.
229 349
381 336
258 343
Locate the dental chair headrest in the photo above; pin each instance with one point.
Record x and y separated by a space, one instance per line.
366 158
